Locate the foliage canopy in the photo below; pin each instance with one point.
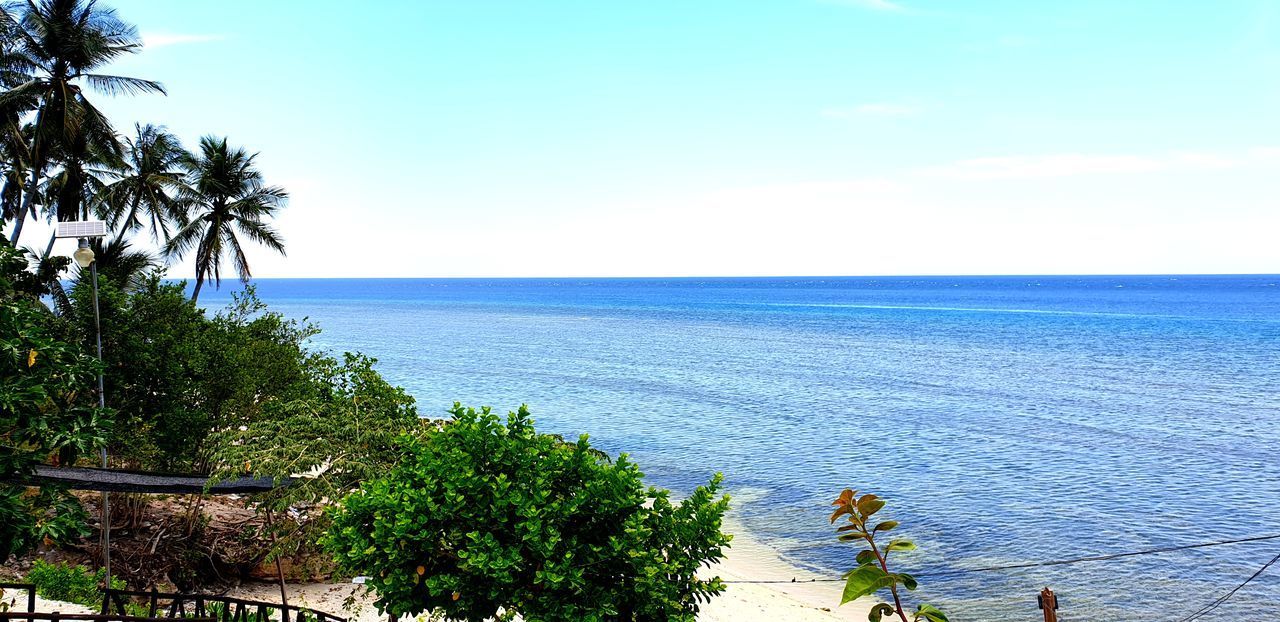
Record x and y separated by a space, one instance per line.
46 382
342 429
484 518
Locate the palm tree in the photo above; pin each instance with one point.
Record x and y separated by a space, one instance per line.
120 264
146 184
71 192
224 197
62 44
14 157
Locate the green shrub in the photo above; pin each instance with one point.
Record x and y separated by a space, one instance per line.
345 428
46 409
480 518
73 584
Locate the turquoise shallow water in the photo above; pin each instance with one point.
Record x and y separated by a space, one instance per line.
1006 420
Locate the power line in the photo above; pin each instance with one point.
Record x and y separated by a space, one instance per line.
1056 562
1207 609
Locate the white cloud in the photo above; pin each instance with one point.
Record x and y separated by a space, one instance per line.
164 39
876 109
1265 153
1015 41
875 5
1056 165
1074 164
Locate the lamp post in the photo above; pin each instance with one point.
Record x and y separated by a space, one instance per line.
83 230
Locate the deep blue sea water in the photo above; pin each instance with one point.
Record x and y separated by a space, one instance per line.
1005 419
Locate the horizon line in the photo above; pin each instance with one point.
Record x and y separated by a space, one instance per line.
799 276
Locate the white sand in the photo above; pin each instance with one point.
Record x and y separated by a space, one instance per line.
741 602
802 601
17 600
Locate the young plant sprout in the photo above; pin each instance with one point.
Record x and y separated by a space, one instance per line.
872 574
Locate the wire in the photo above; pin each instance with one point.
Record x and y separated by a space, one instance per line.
1204 611
1056 562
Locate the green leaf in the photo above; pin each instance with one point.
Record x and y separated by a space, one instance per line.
886 525
880 610
930 613
865 557
863 581
907 581
869 505
900 545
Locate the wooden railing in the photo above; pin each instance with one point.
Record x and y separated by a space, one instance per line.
29 588
41 616
214 608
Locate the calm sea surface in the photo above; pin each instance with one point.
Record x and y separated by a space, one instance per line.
1006 420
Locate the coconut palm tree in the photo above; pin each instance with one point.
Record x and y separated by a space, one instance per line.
14 157
224 198
146 184
71 192
120 264
63 44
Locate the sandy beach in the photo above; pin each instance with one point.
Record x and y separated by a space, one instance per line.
796 598
748 559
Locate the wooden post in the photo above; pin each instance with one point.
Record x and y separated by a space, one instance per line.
1049 604
284 596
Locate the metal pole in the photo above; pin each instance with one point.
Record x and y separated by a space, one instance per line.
102 404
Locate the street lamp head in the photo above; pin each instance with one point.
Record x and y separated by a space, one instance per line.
84 254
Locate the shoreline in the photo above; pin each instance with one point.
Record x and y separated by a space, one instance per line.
750 559
747 558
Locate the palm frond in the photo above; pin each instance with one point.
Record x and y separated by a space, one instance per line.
238 258
121 85
186 238
261 233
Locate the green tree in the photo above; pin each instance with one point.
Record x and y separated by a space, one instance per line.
47 410
61 45
120 263
341 431
480 518
15 69
176 375
146 185
225 199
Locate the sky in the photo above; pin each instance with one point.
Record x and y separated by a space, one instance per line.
512 138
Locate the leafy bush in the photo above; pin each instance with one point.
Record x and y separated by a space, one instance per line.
482 519
872 574
175 375
343 431
73 584
46 410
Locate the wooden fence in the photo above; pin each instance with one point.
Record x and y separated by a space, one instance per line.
215 608
29 588
54 616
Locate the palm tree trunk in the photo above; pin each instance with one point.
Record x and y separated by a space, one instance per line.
37 165
27 199
52 237
195 294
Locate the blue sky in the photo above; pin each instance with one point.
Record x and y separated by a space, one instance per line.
743 137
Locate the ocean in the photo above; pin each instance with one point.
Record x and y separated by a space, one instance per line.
1006 420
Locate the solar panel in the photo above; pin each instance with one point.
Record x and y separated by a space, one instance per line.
82 229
